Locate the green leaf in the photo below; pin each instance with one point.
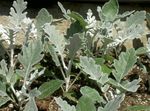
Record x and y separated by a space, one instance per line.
138 108
89 66
31 105
56 38
76 16
131 86
4 100
91 94
54 55
106 69
137 18
99 61
17 12
85 104
114 104
42 18
3 68
75 44
141 50
64 105
126 85
110 10
49 88
124 64
73 29
31 54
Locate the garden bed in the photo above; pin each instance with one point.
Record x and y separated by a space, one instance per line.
52 62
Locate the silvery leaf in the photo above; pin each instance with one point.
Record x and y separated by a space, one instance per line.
56 38
17 12
89 66
131 86
110 10
42 18
124 64
114 104
64 106
31 55
136 18
64 11
31 105
53 53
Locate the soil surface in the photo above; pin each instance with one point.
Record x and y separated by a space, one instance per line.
141 97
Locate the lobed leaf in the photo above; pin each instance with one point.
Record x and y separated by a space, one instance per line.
17 12
89 66
114 104
137 18
124 64
64 105
131 86
31 54
55 38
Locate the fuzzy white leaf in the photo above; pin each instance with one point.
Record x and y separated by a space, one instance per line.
56 38
114 104
137 18
64 105
17 12
31 55
31 105
89 66
124 64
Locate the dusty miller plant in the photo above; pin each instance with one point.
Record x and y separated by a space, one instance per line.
76 50
109 32
15 84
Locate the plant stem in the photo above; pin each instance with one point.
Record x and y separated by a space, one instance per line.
74 80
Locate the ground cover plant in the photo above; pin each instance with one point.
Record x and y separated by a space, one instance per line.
86 69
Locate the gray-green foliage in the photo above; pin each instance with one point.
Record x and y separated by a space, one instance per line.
124 64
78 49
64 105
114 104
17 12
31 54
